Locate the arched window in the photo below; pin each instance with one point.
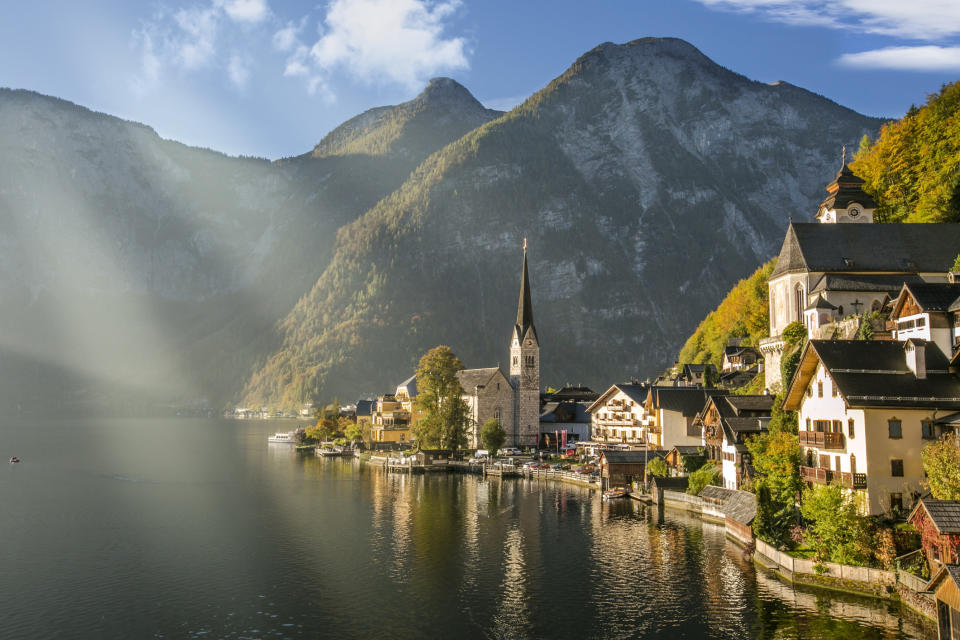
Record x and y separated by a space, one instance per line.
800 305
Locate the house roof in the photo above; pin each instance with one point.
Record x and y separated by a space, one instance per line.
821 303
735 349
688 450
929 296
686 400
636 392
364 407
750 404
573 393
411 385
874 373
944 514
565 412
672 484
614 456
864 248
740 506
947 571
854 282
470 379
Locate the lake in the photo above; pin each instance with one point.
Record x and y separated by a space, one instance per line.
198 528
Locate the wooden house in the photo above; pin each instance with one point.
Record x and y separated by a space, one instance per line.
945 587
623 468
938 522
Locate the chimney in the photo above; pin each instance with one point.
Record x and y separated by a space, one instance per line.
916 351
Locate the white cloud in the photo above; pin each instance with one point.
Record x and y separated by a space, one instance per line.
195 37
287 38
397 41
927 58
238 71
917 19
245 10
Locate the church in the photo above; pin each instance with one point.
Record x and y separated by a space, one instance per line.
845 265
513 400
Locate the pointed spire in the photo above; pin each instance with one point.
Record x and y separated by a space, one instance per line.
525 305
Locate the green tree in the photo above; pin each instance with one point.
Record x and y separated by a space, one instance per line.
956 264
657 467
353 432
834 528
492 435
776 457
440 398
705 475
941 463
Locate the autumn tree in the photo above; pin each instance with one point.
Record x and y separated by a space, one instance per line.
657 467
440 398
834 528
941 463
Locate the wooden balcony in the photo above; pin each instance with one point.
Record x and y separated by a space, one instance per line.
826 476
822 440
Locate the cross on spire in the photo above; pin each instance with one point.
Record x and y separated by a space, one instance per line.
844 161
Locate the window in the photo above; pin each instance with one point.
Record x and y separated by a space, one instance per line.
833 389
922 321
516 360
896 502
819 388
821 426
894 428
799 303
926 430
850 427
810 391
496 414
530 361
896 468
836 461
808 424
837 426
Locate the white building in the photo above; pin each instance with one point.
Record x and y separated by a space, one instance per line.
618 416
866 410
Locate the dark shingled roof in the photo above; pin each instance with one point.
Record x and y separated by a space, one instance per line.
740 506
945 514
845 189
411 385
715 493
822 303
858 248
671 484
687 400
951 571
853 282
874 373
614 456
934 296
471 378
565 412
364 407
745 405
688 449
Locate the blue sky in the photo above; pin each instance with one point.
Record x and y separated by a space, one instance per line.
271 77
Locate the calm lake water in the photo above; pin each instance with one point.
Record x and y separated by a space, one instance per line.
200 529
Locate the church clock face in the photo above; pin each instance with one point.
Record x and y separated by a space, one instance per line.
853 212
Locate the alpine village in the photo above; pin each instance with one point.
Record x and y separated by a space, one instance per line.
815 413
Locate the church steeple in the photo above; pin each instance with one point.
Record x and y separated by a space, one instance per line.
525 305
847 201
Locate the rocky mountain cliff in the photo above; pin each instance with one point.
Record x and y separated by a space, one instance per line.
137 271
647 178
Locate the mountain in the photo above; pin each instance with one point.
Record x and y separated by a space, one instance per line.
648 180
138 271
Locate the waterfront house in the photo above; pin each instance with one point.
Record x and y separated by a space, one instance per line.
623 468
683 458
564 422
726 422
390 420
739 509
938 522
945 587
866 410
673 411
618 416
853 267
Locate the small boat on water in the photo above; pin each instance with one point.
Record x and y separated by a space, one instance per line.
14 460
282 437
613 494
334 452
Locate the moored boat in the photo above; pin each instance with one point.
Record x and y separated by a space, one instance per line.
613 494
14 460
282 437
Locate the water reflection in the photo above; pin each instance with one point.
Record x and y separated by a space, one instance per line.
200 529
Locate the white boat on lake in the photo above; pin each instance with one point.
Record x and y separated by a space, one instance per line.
283 437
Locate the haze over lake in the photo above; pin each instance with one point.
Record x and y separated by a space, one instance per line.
199 528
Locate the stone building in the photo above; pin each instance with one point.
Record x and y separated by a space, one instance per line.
488 394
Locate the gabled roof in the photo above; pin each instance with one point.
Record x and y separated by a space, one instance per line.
946 572
615 456
411 385
688 449
364 407
822 303
470 379
734 350
874 373
864 248
739 506
929 296
686 400
636 392
736 430
671 484
944 514
761 404
565 412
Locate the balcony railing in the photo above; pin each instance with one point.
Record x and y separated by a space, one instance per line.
826 476
821 439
